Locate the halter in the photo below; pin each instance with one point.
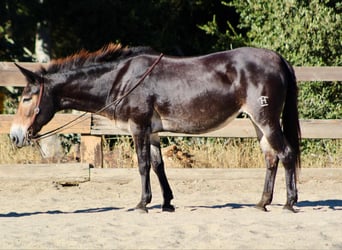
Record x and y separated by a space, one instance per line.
36 110
72 122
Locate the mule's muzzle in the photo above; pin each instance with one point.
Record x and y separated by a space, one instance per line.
20 137
17 141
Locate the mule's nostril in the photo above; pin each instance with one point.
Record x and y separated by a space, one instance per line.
14 139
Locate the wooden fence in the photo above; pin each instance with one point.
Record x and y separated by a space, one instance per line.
93 127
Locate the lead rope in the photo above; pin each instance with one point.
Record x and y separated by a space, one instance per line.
115 102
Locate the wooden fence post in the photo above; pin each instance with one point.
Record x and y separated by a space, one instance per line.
91 150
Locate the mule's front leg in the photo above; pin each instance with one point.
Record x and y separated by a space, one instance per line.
158 167
142 147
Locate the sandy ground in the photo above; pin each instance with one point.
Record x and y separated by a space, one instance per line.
214 210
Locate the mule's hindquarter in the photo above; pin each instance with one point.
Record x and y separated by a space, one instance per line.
196 95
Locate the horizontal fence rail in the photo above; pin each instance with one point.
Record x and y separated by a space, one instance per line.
98 125
312 128
93 127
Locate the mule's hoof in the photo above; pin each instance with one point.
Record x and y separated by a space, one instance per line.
141 208
261 207
168 208
289 208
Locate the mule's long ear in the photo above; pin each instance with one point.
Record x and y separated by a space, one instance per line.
31 77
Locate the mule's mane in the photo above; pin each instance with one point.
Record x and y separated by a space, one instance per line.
109 53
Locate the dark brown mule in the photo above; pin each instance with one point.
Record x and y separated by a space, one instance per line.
187 95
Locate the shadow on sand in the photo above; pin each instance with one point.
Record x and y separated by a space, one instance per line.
227 205
333 204
81 211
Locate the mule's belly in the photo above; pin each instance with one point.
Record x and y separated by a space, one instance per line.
191 126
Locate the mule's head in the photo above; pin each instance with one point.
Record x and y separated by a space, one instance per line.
36 108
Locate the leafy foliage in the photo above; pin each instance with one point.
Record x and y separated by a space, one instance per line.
229 39
15 25
305 32
321 100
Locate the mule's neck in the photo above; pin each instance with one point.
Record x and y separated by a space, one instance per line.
85 89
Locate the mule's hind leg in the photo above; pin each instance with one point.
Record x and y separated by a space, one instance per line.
277 147
158 167
289 161
271 160
287 156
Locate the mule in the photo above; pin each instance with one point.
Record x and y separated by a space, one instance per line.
187 95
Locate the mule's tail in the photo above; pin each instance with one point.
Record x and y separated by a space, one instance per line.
290 119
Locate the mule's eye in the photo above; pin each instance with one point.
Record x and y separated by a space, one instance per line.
27 99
